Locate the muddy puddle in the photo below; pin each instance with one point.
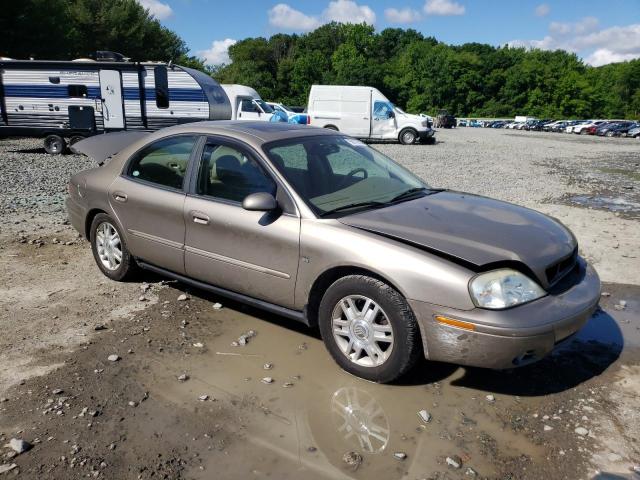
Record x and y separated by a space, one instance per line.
303 423
616 204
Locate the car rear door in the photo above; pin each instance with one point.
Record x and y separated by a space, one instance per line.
148 201
249 252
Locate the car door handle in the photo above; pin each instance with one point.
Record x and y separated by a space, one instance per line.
200 218
120 197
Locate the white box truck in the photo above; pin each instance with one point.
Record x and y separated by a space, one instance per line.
246 103
365 113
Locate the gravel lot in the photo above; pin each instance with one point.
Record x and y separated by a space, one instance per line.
575 414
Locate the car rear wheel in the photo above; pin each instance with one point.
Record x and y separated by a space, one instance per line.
369 328
110 249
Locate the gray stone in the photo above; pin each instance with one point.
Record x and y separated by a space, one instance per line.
183 378
267 380
490 398
7 467
19 446
183 297
352 459
424 416
454 461
113 358
400 456
581 431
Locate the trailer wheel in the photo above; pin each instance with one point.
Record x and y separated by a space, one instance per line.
75 139
54 144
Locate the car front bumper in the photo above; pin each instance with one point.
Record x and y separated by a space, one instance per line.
509 338
427 135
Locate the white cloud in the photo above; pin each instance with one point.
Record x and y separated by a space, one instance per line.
597 46
218 53
159 10
287 18
348 11
443 7
603 56
542 10
404 15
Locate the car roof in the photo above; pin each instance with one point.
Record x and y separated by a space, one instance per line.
256 133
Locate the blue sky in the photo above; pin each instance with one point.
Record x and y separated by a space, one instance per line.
601 31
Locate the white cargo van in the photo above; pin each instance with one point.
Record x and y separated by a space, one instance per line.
364 112
246 103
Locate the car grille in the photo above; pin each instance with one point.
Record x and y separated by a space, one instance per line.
558 270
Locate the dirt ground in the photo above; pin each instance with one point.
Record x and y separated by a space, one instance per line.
182 402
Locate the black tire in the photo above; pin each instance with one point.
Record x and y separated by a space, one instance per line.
407 345
75 139
128 267
331 127
408 136
54 145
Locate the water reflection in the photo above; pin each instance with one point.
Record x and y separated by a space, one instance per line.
360 419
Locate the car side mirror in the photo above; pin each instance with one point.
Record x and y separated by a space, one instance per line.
260 202
391 114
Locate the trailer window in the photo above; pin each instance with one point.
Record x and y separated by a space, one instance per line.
162 87
78 91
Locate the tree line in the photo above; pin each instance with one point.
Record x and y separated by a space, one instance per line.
416 72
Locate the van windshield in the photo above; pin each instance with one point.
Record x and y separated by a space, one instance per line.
266 108
339 175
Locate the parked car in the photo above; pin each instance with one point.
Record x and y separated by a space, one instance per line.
581 129
462 122
289 113
603 129
634 132
318 227
445 120
364 112
621 129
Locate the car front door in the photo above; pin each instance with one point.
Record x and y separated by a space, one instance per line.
384 122
248 110
249 252
148 201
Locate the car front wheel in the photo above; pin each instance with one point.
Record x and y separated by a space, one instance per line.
369 328
110 249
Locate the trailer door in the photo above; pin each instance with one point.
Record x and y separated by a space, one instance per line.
112 104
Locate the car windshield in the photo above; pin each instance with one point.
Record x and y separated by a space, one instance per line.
266 108
337 174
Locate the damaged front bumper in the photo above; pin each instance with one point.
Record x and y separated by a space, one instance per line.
509 338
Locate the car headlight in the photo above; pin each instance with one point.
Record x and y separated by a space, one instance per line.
503 288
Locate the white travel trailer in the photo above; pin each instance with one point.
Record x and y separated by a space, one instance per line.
364 112
246 103
64 101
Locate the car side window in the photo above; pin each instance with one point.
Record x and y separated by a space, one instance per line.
163 162
381 109
248 106
227 173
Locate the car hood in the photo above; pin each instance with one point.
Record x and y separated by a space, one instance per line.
473 229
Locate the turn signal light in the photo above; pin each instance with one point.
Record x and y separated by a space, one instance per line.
455 323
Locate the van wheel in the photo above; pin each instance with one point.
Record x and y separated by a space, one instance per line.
331 127
369 328
54 145
408 136
110 249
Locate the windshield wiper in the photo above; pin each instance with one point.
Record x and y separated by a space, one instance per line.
355 205
412 192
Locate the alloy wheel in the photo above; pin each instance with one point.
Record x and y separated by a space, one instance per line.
362 331
109 246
